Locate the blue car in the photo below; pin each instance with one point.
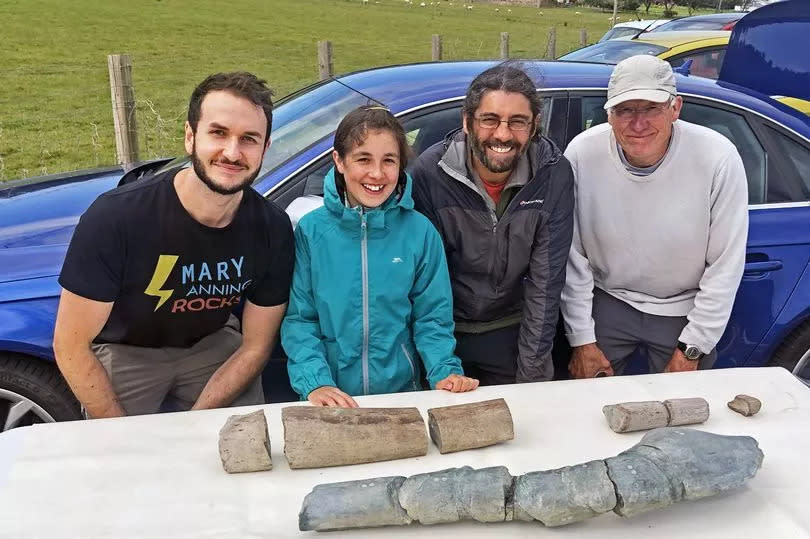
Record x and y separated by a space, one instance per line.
770 323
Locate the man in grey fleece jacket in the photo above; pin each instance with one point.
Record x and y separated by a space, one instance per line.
659 231
502 198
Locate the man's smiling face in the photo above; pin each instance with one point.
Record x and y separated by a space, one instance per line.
499 148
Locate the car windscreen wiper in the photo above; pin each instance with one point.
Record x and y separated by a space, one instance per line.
377 101
642 31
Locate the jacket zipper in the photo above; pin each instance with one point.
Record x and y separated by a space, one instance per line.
413 367
364 263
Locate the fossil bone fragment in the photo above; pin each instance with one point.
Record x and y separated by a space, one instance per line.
668 465
315 437
468 426
244 445
633 416
745 405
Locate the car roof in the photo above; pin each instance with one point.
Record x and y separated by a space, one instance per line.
675 38
727 16
407 87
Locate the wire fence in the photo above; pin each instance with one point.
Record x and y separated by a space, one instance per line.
56 113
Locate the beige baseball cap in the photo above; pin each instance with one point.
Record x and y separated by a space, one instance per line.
641 77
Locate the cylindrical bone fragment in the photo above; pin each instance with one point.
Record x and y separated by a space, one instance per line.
668 465
674 464
315 437
633 416
244 445
467 426
745 405
457 494
353 504
564 495
687 411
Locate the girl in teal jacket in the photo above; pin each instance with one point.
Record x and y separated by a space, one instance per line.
370 293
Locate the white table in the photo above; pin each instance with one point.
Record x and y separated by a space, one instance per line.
160 476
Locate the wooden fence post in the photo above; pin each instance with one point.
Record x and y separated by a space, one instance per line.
436 48
504 45
583 37
324 59
123 105
551 50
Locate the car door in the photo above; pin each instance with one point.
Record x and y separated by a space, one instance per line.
778 245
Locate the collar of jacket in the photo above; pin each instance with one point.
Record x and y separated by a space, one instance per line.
542 152
375 218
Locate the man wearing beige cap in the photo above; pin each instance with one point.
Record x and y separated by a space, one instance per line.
659 231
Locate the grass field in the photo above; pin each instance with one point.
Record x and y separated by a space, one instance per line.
55 112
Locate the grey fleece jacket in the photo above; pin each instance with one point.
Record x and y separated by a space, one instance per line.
506 270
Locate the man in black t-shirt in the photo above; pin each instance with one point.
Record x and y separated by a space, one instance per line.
155 268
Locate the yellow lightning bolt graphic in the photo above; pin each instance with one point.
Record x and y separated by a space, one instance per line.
164 267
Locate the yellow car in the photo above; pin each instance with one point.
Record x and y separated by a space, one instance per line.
706 49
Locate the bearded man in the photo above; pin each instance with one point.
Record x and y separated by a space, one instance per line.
501 196
155 268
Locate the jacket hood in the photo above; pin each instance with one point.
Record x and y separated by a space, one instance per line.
542 152
376 217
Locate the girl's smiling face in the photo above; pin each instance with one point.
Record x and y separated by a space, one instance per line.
370 169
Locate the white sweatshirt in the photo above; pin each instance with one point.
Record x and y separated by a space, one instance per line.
671 243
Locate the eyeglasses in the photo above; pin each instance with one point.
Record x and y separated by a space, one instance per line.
648 113
492 122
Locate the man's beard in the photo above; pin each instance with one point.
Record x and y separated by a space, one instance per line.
199 169
480 152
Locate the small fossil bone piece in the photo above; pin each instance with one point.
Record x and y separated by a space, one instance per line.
668 465
244 445
316 437
633 416
468 426
745 405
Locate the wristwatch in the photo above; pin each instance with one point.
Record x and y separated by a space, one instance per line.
691 351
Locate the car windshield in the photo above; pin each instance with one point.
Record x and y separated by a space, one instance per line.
620 31
305 118
612 52
300 120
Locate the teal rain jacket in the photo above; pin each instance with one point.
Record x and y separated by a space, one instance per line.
370 296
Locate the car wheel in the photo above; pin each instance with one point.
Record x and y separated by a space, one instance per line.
33 391
794 353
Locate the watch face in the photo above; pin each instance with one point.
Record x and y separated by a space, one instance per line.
692 352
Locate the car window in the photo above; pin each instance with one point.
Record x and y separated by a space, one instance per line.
794 184
735 128
619 31
298 123
729 124
687 24
612 52
422 130
705 63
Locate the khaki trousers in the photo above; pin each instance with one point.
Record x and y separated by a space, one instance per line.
149 380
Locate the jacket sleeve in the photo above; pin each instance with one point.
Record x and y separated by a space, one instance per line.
577 294
544 282
301 330
432 301
725 256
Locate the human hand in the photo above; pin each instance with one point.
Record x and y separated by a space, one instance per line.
679 363
331 396
455 383
587 361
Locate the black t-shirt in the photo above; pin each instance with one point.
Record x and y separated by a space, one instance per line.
173 279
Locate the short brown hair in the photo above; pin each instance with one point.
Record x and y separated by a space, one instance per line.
239 83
